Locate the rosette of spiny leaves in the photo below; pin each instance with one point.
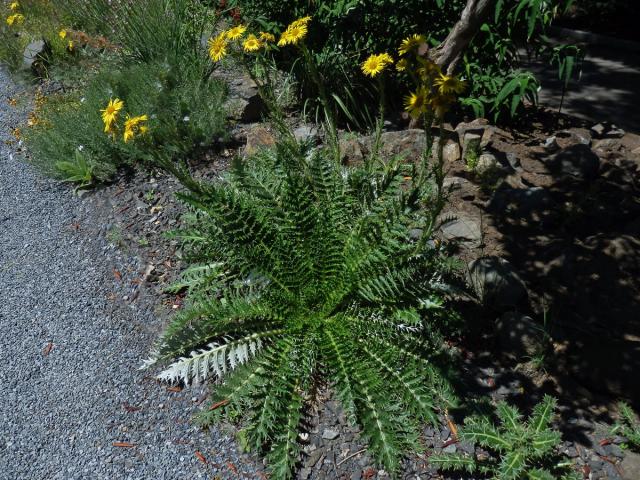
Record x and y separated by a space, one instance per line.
306 275
628 425
517 448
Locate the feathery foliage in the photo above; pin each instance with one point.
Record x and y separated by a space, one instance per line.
305 274
628 425
518 449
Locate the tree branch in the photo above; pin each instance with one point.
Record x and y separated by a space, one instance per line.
448 53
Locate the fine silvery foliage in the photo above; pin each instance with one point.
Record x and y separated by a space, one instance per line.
628 425
517 448
305 273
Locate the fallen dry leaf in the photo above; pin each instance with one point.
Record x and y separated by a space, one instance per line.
117 274
124 444
130 408
218 404
201 457
174 389
47 349
232 467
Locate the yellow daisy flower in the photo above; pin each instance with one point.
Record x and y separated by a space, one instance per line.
110 113
236 32
16 18
375 64
267 37
449 84
70 45
14 6
252 44
411 44
62 34
218 47
132 126
417 103
302 21
402 65
293 34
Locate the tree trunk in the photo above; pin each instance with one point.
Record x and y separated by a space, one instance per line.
448 53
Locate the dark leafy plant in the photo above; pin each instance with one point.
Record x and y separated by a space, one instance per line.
346 31
306 274
517 449
628 425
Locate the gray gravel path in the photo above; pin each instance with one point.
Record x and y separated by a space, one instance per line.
70 346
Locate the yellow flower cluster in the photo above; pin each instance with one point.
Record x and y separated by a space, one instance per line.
295 32
133 126
436 91
220 45
16 17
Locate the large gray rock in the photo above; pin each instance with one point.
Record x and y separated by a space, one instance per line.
577 161
244 104
34 57
519 335
462 228
630 466
496 283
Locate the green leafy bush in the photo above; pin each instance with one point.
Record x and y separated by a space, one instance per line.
628 425
517 449
184 111
305 273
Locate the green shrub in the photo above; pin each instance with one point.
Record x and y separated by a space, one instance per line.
628 425
517 449
184 111
305 273
347 31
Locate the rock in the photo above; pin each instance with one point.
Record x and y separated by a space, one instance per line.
598 130
577 161
451 152
307 133
462 228
630 466
357 475
470 142
313 458
456 183
610 144
330 434
304 473
351 151
519 335
551 144
522 201
244 104
614 132
574 136
410 144
449 448
486 163
34 57
496 283
514 161
258 137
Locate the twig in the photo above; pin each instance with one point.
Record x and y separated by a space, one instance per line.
351 456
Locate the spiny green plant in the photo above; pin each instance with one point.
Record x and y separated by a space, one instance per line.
517 449
628 425
307 275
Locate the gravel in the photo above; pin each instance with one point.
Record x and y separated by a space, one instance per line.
75 325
